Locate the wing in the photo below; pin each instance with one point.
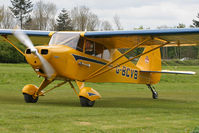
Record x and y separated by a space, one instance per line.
128 39
37 37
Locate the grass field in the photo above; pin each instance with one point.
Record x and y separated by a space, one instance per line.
123 107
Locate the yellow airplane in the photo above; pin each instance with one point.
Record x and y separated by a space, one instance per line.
94 57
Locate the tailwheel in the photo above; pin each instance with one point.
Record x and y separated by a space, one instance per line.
154 93
29 98
86 102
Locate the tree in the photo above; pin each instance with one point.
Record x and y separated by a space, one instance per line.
105 25
195 22
21 9
80 17
181 25
141 27
116 19
6 18
28 24
51 10
93 22
44 16
1 13
63 21
84 19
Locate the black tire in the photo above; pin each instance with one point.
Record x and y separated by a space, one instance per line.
29 99
86 102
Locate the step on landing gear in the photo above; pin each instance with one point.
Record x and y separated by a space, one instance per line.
154 93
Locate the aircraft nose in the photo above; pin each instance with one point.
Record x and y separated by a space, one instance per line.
32 59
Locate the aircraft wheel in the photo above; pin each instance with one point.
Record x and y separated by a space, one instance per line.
155 95
86 102
29 99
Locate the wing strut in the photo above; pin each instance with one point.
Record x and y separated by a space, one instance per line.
101 68
6 39
99 73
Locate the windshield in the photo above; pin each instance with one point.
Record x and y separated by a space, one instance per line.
65 38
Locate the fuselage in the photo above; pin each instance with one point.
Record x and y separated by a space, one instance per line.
71 64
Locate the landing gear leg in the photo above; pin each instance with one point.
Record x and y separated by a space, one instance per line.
45 83
154 93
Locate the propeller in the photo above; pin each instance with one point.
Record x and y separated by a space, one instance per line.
23 38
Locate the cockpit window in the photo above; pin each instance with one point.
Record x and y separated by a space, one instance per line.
65 38
96 49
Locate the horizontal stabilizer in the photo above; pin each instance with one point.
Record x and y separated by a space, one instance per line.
172 72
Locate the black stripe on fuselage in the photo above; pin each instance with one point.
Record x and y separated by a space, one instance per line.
77 57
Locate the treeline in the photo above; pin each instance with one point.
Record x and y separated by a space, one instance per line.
43 16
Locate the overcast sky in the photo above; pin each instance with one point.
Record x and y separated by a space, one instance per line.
133 13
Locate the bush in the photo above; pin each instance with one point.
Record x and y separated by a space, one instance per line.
196 130
8 54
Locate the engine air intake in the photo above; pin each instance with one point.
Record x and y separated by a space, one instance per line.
44 51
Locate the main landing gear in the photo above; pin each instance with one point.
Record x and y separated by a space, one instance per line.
154 93
87 95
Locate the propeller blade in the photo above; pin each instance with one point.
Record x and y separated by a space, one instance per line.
23 38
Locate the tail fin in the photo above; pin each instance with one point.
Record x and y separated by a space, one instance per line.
151 62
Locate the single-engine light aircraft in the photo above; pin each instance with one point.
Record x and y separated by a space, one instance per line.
94 57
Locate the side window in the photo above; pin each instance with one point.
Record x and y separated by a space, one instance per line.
96 49
80 45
